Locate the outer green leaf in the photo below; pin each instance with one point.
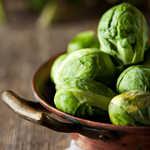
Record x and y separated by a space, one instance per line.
134 78
56 65
86 63
83 40
142 116
119 116
130 108
123 33
84 97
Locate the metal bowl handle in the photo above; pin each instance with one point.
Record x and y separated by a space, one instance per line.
30 111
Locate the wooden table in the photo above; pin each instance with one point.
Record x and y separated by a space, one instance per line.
23 48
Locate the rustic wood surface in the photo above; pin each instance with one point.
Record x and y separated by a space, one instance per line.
23 48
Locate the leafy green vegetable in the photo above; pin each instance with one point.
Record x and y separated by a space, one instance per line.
90 63
123 33
82 40
85 98
56 65
134 78
130 108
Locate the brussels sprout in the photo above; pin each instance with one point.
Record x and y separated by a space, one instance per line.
83 40
85 98
56 65
123 33
130 109
90 63
134 78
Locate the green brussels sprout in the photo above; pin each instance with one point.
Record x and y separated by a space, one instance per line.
131 108
56 65
90 63
85 98
123 33
134 78
83 40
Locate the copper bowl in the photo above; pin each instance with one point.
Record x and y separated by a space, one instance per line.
89 135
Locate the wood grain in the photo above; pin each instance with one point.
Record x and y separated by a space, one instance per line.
22 50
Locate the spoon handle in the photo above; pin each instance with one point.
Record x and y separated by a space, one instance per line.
34 112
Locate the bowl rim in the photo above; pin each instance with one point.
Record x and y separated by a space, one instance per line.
81 121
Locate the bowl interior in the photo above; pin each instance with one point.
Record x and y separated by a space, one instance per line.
44 91
42 84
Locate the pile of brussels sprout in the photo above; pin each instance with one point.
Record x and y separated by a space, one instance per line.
107 78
